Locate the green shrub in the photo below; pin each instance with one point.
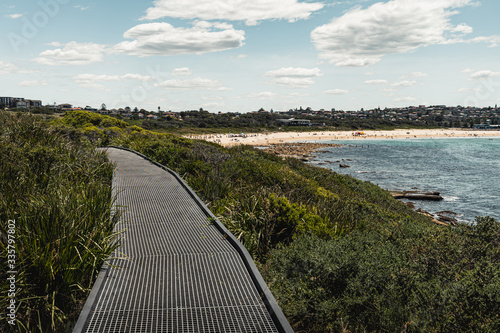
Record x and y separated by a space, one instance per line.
83 118
414 278
107 121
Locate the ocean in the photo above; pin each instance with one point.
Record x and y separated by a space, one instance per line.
466 171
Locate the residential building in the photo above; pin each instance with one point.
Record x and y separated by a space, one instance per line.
295 122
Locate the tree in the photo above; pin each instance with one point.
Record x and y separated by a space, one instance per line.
103 106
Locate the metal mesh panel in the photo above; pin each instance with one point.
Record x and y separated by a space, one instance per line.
222 319
174 272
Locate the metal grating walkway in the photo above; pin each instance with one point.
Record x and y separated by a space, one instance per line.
180 273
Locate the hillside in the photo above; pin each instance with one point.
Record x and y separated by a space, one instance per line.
339 254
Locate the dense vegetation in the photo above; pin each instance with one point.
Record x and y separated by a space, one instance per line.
404 277
339 254
57 188
206 122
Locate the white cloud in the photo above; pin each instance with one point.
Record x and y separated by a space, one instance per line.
212 98
81 7
213 105
90 81
369 73
295 72
164 39
361 37
95 87
401 84
15 16
265 95
467 70
294 77
93 77
236 10
136 77
494 40
32 83
72 53
414 74
184 71
27 71
405 99
7 67
470 90
376 82
462 29
239 56
297 94
197 83
293 82
337 92
90 78
484 74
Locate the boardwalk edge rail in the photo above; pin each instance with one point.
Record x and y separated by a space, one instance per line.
272 306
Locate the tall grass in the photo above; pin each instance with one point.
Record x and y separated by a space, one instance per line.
58 190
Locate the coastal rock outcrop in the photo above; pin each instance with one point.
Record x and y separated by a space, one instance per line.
447 217
436 221
417 195
300 150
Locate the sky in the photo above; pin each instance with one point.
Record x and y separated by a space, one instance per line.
240 56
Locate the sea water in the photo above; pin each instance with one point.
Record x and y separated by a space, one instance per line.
466 171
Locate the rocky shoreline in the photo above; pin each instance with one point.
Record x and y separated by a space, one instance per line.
300 150
417 195
446 218
305 151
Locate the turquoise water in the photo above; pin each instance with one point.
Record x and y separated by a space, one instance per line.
465 171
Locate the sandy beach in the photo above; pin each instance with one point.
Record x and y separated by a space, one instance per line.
261 139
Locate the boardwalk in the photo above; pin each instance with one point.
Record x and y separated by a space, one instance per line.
180 273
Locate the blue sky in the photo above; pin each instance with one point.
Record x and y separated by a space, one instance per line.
235 55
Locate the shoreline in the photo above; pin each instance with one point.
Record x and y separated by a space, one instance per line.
259 139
